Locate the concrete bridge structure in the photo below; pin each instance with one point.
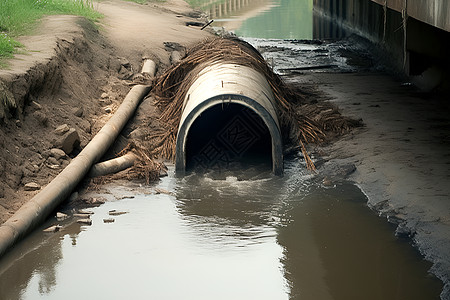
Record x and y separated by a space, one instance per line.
415 32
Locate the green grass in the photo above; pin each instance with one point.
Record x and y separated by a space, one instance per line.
17 17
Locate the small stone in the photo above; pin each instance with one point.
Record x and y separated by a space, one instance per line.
57 153
78 112
95 201
104 102
60 130
125 62
104 95
41 117
54 228
139 133
116 212
108 110
53 161
61 216
32 186
84 221
70 140
108 220
83 216
85 126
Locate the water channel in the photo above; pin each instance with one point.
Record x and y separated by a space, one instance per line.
226 235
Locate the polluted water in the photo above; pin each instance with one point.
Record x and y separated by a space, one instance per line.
241 234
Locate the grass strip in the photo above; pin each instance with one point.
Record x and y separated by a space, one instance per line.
17 17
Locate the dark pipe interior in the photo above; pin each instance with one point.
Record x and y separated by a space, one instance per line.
228 136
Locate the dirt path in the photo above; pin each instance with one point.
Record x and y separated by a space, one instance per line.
138 31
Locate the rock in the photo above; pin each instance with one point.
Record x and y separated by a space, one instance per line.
61 216
85 221
139 133
78 112
108 220
85 125
108 110
94 201
404 231
82 216
53 161
124 73
32 186
57 153
54 228
104 96
70 140
104 102
116 212
86 212
60 130
125 62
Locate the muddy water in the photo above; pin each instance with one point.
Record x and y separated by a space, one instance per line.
244 235
234 236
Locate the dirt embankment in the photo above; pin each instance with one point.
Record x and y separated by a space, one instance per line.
71 78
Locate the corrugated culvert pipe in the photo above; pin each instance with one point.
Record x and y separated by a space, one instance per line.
229 115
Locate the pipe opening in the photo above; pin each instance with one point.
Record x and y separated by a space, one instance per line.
228 136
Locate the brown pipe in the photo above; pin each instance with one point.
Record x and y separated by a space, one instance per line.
113 165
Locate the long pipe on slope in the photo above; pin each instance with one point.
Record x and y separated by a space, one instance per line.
36 210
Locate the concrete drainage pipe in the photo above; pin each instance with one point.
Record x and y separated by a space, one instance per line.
228 110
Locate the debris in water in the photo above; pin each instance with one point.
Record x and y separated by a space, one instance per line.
108 220
54 228
83 216
61 216
85 221
162 191
126 197
116 212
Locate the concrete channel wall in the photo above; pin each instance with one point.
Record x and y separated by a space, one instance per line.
434 12
416 33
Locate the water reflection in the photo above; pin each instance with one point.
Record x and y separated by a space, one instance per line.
33 263
272 19
235 236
